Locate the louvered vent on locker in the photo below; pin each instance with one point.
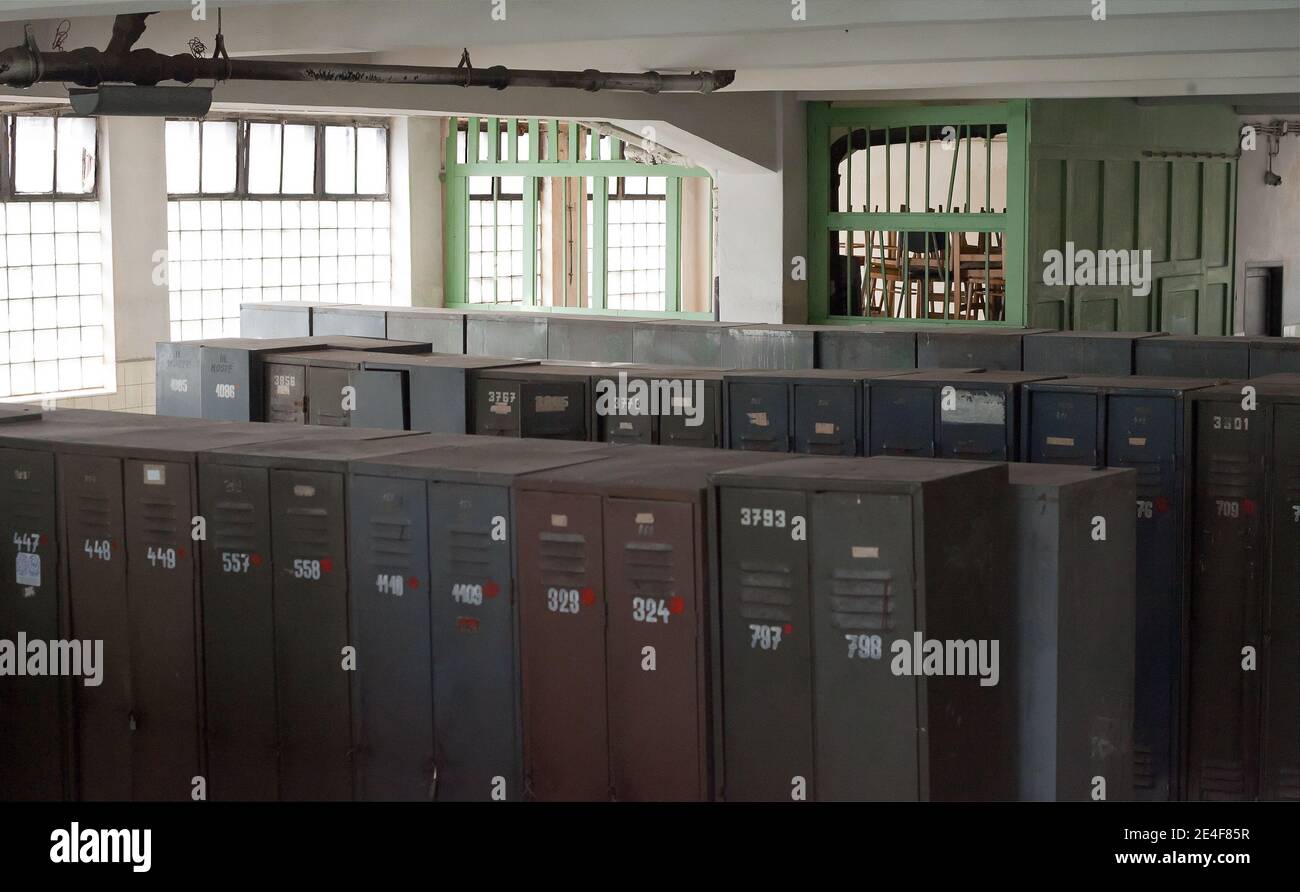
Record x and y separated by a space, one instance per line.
471 553
390 541
158 517
95 513
23 505
1143 771
649 567
862 600
310 529
766 591
1288 784
563 558
1230 475
1222 780
234 527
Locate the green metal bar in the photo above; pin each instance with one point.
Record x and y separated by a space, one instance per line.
530 242
818 201
494 140
577 168
496 244
848 206
564 253
534 140
918 221
553 144
593 151
900 116
967 208
471 141
889 177
952 173
927 168
599 241
866 201
673 247
988 172
512 140
573 141
907 170
454 249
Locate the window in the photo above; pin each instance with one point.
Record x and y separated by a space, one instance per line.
917 213
52 332
273 210
545 213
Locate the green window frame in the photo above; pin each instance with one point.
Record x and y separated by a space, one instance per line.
535 155
827 123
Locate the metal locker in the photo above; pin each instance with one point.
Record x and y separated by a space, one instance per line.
11 412
99 608
1063 423
444 329
978 413
355 321
864 598
534 401
286 393
437 389
34 745
562 638
770 347
827 418
1075 661
238 633
625 408
1083 352
865 347
1280 758
901 419
766 645
1271 356
496 408
1195 356
290 319
681 342
589 339
309 560
969 347
178 383
556 409
518 335
162 599
697 420
326 395
392 702
758 414
1226 606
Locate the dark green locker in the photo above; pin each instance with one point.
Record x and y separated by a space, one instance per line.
1280 759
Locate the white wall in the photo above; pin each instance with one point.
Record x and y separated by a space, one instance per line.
415 186
1268 222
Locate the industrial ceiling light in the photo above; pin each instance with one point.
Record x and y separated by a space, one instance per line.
164 102
26 65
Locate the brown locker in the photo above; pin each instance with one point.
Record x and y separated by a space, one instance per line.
562 639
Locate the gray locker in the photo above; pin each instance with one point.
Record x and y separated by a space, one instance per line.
335 390
515 334
590 338
467 604
10 412
295 489
770 347
437 387
178 384
350 319
865 347
659 405
444 329
992 347
822 410
1075 661
882 548
1269 356
1194 356
291 319
679 342
546 402
1083 352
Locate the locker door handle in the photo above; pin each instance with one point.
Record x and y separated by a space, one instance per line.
433 785
1096 459
130 719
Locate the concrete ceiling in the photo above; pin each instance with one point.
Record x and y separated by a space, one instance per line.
873 49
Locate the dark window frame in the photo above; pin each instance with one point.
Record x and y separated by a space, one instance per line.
9 154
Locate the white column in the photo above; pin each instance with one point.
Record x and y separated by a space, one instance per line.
416 189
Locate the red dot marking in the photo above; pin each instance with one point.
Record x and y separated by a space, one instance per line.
491 589
412 583
257 560
1248 505
676 605
180 553
326 565
1162 504
40 539
588 596
789 628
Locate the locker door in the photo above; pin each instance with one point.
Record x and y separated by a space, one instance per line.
326 393
766 646
554 410
475 652
1281 757
867 730
393 685
381 400
99 610
657 719
33 745
562 638
698 420
826 419
164 635
625 421
1223 745
238 634
974 422
902 420
286 393
227 390
309 550
1064 428
759 416
1142 434
496 407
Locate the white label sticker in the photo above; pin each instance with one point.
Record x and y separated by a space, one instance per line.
1060 441
758 419
155 475
1137 441
645 518
499 409
29 568
559 520
282 390
976 407
866 551
548 403
825 427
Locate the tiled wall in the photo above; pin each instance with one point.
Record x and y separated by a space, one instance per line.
135 391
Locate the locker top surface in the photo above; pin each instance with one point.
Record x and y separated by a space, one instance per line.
323 452
1271 343
313 342
992 376
1211 341
1100 335
689 324
392 361
1042 475
164 441
651 472
1277 378
991 331
669 371
1126 383
426 311
873 474
17 412
795 376
504 315
547 372
1278 387
69 426
488 460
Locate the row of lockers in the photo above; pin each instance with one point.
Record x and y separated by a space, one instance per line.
697 344
555 621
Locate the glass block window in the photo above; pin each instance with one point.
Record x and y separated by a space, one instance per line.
270 211
496 240
53 337
637 243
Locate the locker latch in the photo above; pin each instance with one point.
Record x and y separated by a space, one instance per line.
131 720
